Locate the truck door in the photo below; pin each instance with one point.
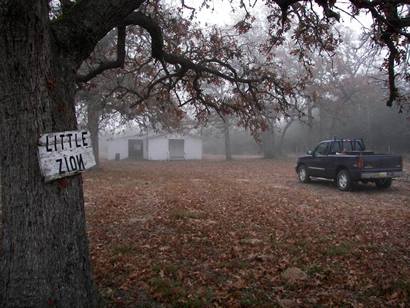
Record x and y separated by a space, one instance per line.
320 160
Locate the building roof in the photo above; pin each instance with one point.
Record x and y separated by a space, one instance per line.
151 136
172 134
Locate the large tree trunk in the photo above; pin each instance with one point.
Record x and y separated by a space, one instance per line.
44 252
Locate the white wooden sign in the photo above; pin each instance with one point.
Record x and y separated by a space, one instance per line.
64 154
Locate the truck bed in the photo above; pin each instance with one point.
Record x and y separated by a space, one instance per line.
374 161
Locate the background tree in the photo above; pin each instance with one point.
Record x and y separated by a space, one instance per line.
347 91
218 125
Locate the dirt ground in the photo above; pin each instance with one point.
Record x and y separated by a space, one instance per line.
244 233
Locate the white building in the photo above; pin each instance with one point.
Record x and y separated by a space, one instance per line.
156 147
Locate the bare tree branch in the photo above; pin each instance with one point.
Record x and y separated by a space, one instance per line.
79 29
119 62
158 52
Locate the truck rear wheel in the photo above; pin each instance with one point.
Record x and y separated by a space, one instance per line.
383 183
303 174
343 180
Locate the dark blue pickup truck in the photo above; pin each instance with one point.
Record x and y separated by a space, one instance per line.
347 161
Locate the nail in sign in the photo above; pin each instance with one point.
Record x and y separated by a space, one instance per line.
64 154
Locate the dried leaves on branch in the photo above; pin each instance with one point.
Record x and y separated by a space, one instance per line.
173 60
178 70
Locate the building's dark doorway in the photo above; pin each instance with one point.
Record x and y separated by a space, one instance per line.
135 149
176 149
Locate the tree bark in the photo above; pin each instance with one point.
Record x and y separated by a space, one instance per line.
310 125
44 249
228 150
282 136
321 120
93 119
268 142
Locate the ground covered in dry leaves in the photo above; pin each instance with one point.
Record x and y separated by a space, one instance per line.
244 233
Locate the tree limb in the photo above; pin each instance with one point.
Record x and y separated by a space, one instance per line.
119 62
80 28
66 5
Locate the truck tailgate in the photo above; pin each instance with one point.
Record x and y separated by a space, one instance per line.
382 161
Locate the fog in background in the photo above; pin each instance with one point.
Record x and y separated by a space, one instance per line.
382 129
344 98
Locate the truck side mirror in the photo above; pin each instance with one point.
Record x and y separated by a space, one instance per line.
309 152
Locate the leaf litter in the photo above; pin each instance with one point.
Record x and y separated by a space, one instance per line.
219 234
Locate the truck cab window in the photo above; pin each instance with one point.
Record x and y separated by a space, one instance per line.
321 149
335 148
352 145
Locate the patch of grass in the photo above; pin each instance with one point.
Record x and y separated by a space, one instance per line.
403 285
371 292
249 300
156 268
171 269
180 213
235 264
123 249
293 250
323 239
163 286
291 287
202 243
169 290
275 244
199 301
315 269
196 302
339 250
167 286
167 269
254 298
299 247
303 244
373 248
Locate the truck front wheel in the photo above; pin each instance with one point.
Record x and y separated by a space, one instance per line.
383 183
303 174
343 180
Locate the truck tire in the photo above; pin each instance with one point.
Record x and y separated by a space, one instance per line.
343 180
303 174
383 183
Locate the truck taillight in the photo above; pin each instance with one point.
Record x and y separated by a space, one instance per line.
360 163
